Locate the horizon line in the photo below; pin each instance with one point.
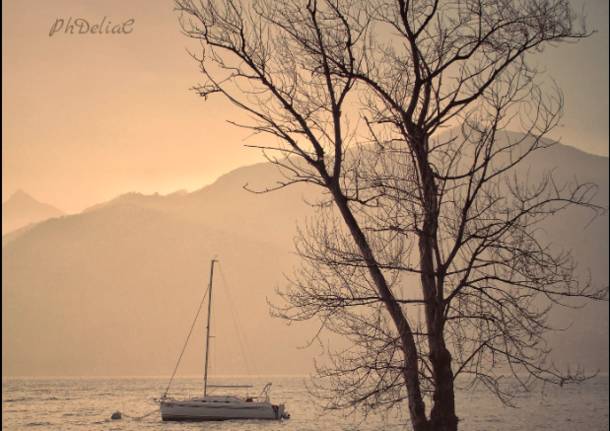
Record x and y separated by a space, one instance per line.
152 376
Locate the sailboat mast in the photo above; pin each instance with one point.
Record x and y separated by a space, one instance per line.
207 335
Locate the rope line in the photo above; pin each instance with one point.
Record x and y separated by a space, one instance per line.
139 418
241 338
186 342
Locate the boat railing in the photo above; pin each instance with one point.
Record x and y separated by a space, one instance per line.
265 392
230 386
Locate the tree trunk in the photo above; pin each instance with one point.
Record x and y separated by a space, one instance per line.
442 415
417 408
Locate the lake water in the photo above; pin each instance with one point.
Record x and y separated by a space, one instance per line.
87 404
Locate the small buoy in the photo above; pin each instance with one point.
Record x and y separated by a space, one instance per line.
116 415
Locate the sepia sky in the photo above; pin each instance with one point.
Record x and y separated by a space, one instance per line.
88 117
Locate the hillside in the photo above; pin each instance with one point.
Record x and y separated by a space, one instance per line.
112 291
21 209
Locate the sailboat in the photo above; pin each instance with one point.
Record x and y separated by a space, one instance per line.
219 407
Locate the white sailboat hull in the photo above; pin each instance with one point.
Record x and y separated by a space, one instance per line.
219 408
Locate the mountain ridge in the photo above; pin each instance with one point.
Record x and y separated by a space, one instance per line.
21 209
131 271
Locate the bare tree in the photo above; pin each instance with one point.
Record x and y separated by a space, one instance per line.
421 222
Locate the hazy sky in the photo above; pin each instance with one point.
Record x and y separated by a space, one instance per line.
88 117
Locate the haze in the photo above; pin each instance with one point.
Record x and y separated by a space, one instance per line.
88 117
111 286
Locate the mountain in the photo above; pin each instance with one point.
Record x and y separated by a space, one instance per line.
586 340
132 271
22 209
113 290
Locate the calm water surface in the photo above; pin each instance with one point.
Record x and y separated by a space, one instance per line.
86 404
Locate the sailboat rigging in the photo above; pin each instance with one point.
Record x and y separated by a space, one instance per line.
217 407
207 330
